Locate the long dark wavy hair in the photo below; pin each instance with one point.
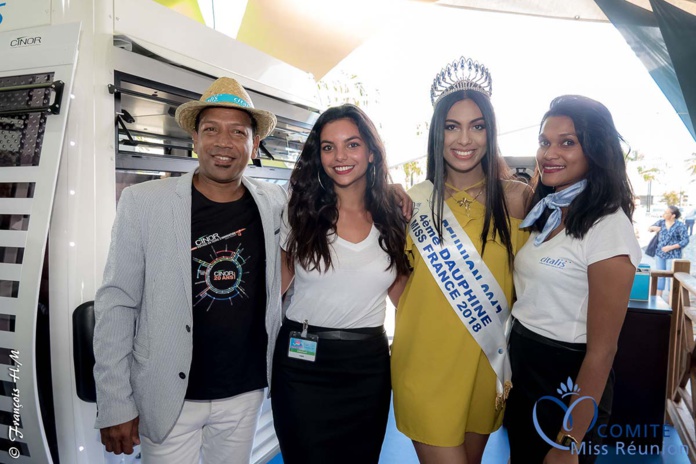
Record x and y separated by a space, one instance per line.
608 187
494 168
313 210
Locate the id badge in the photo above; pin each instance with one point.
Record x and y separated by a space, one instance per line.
303 345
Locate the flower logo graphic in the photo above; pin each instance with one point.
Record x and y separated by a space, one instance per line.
566 389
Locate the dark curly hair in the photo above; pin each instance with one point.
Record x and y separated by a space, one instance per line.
494 168
608 187
313 211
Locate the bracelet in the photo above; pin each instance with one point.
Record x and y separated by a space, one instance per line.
566 440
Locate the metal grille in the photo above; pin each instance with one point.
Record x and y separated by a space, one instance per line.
9 288
14 255
14 221
21 135
33 120
17 189
11 255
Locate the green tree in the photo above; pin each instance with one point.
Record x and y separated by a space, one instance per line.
346 88
691 164
411 169
673 198
648 174
647 171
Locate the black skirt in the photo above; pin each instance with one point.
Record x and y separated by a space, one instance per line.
335 409
539 366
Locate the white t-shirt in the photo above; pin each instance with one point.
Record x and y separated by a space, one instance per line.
352 294
551 279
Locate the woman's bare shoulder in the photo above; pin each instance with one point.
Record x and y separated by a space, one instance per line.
518 196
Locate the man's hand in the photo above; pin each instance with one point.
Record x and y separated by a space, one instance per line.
403 200
122 437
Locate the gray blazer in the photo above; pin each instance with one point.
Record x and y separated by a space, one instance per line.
142 336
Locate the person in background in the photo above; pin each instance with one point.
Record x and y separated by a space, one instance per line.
450 370
343 242
689 219
672 239
573 279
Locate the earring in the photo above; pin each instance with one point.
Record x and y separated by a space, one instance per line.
319 179
374 176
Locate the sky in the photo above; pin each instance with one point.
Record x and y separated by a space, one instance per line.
532 60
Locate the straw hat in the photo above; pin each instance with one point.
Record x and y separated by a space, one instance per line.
225 92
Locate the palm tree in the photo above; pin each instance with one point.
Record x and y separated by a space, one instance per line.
672 198
648 174
691 164
411 169
346 88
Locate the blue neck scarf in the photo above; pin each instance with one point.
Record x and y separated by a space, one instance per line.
555 201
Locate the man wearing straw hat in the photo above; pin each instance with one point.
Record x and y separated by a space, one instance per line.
189 309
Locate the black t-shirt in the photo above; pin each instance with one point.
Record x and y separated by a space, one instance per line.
229 298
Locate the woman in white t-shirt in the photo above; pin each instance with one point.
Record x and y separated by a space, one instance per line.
573 279
343 243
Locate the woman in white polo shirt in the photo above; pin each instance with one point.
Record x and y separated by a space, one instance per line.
343 243
573 279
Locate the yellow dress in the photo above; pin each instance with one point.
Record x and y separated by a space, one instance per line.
443 383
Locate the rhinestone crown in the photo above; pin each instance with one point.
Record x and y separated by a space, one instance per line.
461 74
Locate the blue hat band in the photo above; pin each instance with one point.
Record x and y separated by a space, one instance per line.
227 98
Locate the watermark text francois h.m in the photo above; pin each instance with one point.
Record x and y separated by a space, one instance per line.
13 432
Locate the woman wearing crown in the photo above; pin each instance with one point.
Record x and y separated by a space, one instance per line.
573 279
450 369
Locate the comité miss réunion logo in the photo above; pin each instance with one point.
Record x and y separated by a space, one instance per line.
567 389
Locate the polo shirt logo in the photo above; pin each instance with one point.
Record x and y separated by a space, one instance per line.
558 263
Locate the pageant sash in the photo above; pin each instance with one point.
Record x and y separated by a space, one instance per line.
466 282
